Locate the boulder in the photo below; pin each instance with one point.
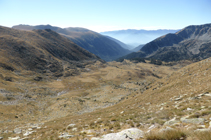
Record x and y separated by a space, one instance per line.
193 120
128 134
133 133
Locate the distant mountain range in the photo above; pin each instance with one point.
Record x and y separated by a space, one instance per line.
192 42
134 38
102 46
41 51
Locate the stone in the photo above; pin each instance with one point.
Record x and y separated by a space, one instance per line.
94 138
66 136
28 133
113 136
74 129
166 129
193 120
152 127
25 138
171 122
208 95
17 131
34 126
202 107
177 99
210 124
133 133
70 126
127 134
189 109
15 138
89 131
201 126
1 138
202 130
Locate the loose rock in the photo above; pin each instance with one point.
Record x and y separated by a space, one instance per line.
17 131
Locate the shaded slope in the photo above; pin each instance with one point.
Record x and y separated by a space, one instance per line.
95 43
123 45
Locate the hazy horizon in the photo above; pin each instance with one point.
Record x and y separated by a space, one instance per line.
106 15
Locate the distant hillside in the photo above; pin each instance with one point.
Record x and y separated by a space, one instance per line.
137 48
192 42
42 51
123 45
95 43
136 37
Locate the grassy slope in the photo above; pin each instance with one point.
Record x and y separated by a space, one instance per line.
145 108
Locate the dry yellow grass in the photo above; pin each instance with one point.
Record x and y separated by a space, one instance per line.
114 94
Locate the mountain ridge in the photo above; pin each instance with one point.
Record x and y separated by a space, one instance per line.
41 51
189 43
94 42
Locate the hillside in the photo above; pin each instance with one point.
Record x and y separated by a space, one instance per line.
136 49
95 43
41 104
98 102
120 43
133 37
192 42
42 51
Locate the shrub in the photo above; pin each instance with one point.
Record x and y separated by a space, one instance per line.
166 135
205 135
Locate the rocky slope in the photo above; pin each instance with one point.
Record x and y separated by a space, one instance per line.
192 42
95 43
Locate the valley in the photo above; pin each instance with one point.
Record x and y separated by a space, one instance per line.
51 88
51 100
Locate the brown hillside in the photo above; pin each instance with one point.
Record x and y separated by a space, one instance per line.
40 50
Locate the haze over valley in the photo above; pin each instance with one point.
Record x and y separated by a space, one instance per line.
133 38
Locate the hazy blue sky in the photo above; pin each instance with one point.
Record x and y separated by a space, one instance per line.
104 15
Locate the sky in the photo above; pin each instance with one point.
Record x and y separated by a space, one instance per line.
106 15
